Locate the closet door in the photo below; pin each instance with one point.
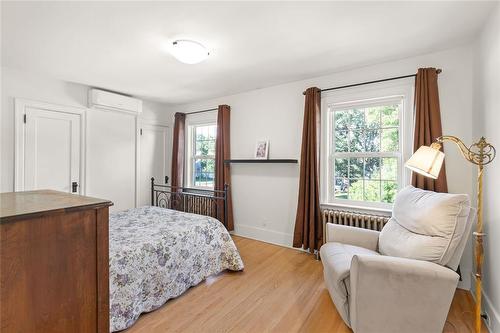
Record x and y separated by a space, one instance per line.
154 159
111 157
50 149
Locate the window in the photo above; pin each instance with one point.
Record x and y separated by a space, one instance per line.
202 155
365 151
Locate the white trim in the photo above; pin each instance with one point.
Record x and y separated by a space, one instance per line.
264 235
376 93
358 208
200 119
151 124
143 122
20 105
137 159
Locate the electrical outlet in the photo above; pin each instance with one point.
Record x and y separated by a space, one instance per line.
486 318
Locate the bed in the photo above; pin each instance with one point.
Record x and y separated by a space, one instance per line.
157 253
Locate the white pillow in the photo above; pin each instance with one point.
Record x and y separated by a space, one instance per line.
425 225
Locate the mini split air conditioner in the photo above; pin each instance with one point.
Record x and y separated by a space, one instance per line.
101 99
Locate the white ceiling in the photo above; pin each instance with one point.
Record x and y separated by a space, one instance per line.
119 45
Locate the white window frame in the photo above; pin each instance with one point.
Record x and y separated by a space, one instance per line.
366 95
193 121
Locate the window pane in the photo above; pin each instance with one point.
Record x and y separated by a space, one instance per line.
341 141
204 171
213 132
361 133
357 141
390 139
202 147
341 167
357 118
204 131
205 140
372 140
356 168
372 168
372 117
209 180
199 178
341 185
355 189
211 148
390 115
389 168
341 119
389 190
372 190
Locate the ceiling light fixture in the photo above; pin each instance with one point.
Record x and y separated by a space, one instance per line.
189 51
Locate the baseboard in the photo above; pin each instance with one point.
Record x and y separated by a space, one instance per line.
464 284
264 235
487 306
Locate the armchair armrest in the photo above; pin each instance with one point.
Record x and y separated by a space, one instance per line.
391 294
351 235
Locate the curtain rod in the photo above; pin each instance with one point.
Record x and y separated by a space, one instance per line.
371 82
208 110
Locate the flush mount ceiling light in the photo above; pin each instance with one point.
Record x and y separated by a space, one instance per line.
189 51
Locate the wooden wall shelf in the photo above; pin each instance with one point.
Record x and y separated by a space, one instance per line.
276 160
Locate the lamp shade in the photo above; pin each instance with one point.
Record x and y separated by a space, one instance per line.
426 161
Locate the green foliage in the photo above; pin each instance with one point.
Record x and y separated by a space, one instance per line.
204 168
370 129
373 191
389 190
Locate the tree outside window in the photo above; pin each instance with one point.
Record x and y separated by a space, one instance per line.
366 152
203 155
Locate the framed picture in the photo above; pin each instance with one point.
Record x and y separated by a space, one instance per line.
262 150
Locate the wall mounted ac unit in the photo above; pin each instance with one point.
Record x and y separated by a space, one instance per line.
101 99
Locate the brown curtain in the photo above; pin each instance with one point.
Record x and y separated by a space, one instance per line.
222 170
308 231
427 125
178 152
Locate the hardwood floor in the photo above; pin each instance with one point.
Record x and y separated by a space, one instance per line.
280 290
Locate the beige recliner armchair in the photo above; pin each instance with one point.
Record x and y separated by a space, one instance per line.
401 279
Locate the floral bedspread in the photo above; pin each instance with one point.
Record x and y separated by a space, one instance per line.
156 254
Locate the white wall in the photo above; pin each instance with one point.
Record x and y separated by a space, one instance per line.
486 121
265 195
25 85
19 84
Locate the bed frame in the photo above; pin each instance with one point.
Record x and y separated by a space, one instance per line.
189 200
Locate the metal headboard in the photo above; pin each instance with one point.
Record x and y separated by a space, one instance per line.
190 200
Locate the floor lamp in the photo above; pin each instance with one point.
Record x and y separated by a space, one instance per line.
427 161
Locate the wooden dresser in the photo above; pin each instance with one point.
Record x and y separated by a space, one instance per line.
54 265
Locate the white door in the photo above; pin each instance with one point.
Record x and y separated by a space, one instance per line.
111 157
52 150
153 160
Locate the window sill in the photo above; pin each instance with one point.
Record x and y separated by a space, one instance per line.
356 208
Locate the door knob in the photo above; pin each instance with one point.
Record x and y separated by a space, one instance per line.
74 187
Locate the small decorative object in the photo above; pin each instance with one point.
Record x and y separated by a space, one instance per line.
427 161
262 150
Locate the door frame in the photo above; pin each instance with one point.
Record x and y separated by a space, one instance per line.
140 124
20 105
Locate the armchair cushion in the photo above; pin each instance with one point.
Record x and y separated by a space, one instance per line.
353 236
336 258
393 295
425 225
